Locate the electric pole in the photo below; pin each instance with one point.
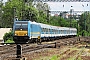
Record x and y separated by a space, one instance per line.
1 13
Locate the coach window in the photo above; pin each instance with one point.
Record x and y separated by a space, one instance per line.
65 31
44 30
59 31
49 31
72 31
52 31
62 31
56 31
68 31
41 29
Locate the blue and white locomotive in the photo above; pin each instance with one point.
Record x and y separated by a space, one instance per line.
27 31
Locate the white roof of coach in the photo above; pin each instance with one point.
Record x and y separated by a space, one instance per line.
54 27
73 29
45 25
63 28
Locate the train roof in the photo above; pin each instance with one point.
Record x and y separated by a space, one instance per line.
44 25
73 29
48 26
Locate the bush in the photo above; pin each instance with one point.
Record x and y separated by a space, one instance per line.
9 41
83 33
8 36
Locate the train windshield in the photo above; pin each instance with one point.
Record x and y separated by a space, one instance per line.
21 26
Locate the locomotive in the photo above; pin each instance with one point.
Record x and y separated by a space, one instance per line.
28 31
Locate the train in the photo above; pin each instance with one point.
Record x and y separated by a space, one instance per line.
27 31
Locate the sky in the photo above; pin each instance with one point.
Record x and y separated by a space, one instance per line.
77 6
58 6
4 0
66 6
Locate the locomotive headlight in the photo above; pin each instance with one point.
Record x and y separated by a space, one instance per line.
15 34
20 29
25 34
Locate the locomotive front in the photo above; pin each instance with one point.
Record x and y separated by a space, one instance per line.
20 30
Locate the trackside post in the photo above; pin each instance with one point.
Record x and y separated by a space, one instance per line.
19 51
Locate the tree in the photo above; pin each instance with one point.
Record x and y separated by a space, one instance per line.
84 22
8 36
21 10
8 16
43 10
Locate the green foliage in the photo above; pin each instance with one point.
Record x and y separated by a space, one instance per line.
9 41
85 22
83 33
42 18
21 11
54 58
8 36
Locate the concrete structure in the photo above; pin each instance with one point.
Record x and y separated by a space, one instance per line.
2 32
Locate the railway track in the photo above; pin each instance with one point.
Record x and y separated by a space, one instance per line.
25 48
8 51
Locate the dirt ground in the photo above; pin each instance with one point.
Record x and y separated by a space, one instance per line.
78 51
75 52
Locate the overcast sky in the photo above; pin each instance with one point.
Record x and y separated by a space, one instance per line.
66 6
4 0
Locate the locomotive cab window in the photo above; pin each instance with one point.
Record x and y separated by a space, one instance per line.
22 26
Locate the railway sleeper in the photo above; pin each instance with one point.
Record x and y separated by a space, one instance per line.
23 58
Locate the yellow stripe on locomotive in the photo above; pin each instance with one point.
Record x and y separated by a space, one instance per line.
21 33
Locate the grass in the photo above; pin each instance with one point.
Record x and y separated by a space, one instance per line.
9 41
54 57
74 58
79 58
